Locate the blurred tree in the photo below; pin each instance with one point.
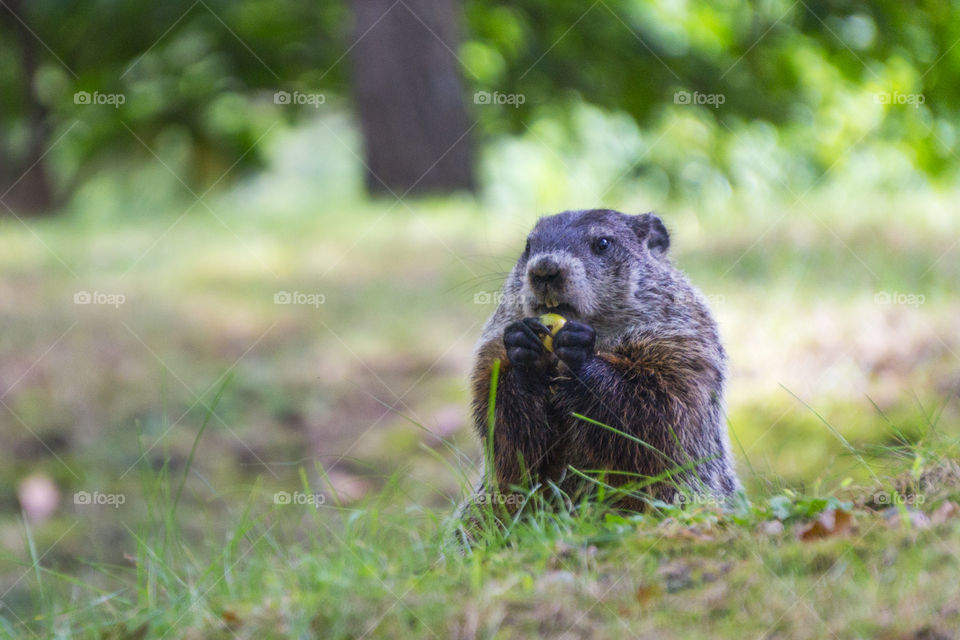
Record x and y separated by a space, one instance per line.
84 86
409 96
812 79
24 182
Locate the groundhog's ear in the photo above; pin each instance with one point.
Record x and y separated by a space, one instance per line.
649 228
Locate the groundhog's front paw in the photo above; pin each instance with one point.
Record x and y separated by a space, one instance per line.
574 345
524 344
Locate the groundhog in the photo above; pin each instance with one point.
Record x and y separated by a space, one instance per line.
640 352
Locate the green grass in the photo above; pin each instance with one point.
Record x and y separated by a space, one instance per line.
363 401
387 567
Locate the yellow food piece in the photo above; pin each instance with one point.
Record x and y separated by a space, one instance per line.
553 322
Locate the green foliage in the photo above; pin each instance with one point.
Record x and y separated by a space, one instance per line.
789 92
196 80
791 507
798 87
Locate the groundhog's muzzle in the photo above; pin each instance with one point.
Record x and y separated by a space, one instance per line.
548 277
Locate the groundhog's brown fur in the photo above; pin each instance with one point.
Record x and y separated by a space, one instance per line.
640 353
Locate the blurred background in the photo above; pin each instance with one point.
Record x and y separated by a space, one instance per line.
284 223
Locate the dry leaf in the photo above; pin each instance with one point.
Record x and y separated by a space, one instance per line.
832 522
647 593
947 511
38 497
230 618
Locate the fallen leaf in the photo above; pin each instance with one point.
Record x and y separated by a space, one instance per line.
230 618
38 496
947 511
832 522
647 593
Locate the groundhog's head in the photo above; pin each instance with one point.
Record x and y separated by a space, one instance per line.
594 266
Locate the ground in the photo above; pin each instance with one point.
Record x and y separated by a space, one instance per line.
259 349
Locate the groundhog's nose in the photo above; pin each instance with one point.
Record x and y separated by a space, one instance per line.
544 272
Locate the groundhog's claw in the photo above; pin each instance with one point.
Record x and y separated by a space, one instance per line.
522 340
574 345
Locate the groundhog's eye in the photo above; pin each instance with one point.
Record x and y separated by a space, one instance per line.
601 244
526 250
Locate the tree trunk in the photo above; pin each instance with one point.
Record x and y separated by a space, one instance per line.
25 185
409 96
